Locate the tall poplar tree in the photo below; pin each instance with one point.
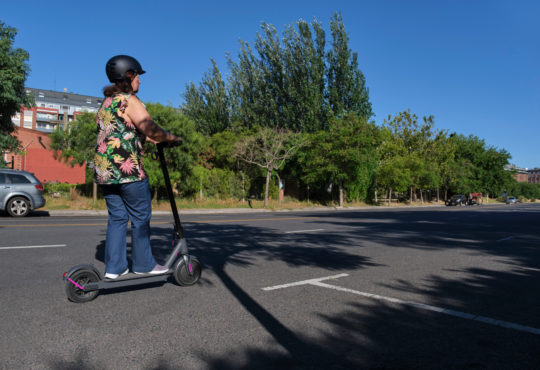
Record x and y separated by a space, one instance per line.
347 91
208 104
245 88
303 54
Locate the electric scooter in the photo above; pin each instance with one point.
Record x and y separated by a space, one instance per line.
83 282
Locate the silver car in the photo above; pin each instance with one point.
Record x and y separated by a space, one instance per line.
20 192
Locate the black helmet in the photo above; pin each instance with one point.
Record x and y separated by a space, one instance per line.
117 67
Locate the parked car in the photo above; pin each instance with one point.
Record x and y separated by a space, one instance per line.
20 192
475 199
511 200
456 200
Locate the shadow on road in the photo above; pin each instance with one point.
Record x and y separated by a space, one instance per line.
374 334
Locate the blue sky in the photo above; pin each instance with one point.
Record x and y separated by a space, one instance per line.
474 65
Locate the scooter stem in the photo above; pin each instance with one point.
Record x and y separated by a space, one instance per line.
178 229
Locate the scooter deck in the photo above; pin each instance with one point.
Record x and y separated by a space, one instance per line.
127 280
132 275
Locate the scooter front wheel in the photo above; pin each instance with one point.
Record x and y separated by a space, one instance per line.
182 273
76 281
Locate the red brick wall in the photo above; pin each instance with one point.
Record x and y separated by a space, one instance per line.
40 161
522 177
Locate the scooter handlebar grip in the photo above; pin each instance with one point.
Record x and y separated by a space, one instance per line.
168 144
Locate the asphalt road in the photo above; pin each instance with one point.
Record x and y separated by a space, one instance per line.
451 288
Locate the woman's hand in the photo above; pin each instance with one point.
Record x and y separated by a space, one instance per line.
150 140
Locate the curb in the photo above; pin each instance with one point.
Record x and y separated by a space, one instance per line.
68 213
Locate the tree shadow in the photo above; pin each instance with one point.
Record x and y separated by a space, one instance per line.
475 229
31 214
244 245
375 334
382 335
81 361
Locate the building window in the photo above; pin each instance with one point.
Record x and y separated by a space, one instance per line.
28 116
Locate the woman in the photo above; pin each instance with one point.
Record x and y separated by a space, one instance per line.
123 125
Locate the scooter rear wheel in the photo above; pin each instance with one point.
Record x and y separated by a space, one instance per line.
81 277
182 275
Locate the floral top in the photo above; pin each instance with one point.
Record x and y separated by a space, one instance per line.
119 149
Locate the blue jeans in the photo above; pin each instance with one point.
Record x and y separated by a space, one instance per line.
125 202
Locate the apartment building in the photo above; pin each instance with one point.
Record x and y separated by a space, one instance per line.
53 109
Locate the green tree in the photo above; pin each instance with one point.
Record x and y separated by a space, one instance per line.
393 170
443 154
245 88
393 175
481 168
268 148
347 91
208 105
305 69
416 143
8 143
273 93
13 72
75 144
343 155
292 82
182 159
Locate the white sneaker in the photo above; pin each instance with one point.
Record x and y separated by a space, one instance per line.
108 275
158 269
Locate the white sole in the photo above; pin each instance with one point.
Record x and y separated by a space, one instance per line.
108 276
151 273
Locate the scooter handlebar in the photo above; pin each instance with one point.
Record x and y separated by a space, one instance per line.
164 144
169 144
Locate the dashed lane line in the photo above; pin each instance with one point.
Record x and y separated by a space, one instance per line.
36 246
303 231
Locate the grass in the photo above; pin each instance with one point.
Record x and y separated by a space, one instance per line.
74 201
78 202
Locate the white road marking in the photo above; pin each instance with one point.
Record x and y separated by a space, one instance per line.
304 282
302 231
529 268
507 238
36 246
464 315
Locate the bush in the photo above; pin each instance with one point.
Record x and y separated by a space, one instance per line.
524 190
59 187
220 183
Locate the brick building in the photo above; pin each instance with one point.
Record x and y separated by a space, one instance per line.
53 110
534 176
520 174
